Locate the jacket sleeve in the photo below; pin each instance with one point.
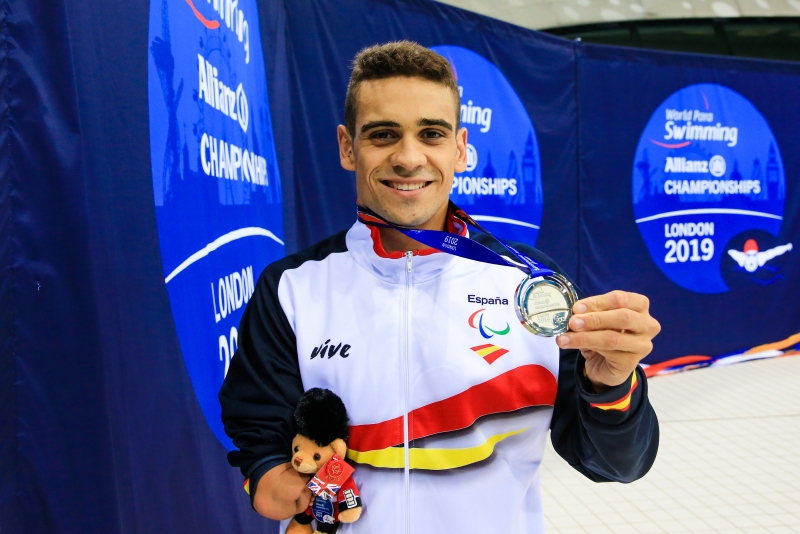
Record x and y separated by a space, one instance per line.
608 437
612 436
263 384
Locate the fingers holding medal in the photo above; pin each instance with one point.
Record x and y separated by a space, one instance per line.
614 331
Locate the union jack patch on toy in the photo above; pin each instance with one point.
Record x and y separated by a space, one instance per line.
328 481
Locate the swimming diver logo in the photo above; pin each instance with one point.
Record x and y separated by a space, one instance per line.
755 256
751 259
483 329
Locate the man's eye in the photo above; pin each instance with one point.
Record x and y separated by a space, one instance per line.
433 135
381 135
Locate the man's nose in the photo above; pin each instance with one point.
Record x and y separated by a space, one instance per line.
407 158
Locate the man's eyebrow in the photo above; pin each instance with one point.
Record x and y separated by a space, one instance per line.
435 122
379 124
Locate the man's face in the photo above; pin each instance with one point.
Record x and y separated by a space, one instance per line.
405 150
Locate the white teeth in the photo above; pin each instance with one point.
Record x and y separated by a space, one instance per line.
407 187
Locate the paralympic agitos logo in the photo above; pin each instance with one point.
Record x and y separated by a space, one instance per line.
483 329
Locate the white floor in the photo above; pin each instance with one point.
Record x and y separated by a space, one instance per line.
728 460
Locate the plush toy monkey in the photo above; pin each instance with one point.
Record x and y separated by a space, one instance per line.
319 449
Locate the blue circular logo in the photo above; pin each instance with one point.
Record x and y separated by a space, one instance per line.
707 169
502 186
216 184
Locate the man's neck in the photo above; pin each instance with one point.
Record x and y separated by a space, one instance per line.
396 241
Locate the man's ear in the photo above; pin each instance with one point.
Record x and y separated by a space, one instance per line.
339 447
461 150
346 156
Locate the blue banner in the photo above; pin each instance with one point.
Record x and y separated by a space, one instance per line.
101 421
216 183
689 194
707 169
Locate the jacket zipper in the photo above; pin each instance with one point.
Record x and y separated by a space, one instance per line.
406 345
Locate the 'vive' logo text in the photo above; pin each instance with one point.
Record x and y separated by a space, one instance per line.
330 350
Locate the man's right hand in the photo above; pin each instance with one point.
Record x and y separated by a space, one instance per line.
282 492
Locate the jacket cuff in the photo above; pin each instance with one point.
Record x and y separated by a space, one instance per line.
258 470
618 404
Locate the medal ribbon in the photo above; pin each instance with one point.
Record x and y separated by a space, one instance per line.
458 245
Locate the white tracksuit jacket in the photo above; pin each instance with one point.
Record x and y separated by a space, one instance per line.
450 399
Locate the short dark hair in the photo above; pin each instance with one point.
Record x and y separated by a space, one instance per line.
397 58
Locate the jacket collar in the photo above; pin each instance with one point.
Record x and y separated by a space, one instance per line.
365 246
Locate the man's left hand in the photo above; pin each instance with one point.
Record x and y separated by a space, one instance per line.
613 332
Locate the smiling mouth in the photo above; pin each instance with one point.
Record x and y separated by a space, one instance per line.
402 186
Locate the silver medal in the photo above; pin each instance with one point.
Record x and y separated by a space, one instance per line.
544 304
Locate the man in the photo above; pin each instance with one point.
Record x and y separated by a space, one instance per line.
440 437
